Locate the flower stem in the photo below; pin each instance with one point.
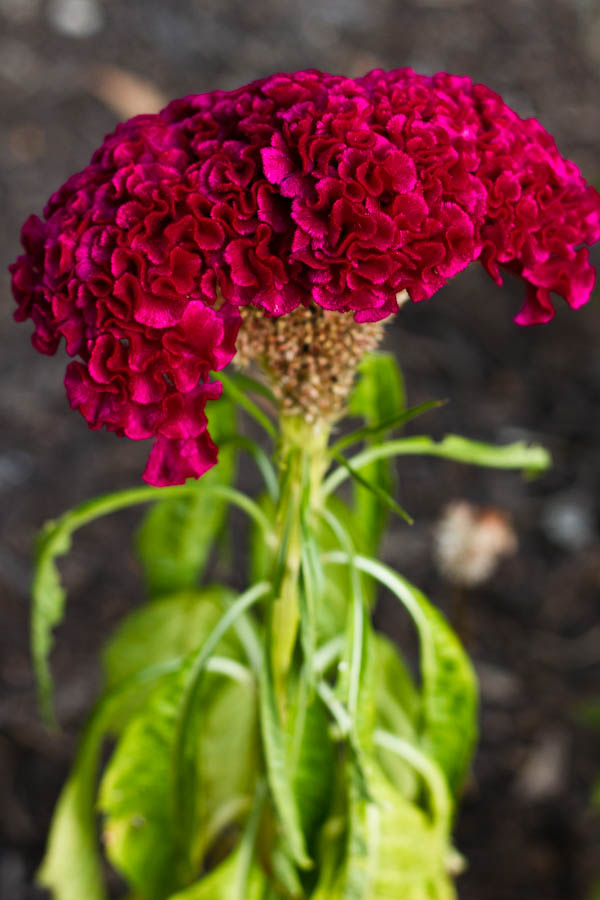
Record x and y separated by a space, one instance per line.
303 463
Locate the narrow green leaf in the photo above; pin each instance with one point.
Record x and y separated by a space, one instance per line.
252 386
531 458
238 395
310 592
48 609
440 799
357 626
48 597
278 772
184 759
382 496
390 424
449 690
262 460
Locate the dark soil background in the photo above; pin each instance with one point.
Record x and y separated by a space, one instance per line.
69 70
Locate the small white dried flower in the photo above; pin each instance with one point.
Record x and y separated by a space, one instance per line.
469 542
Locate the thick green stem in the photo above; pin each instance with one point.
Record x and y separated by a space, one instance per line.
303 463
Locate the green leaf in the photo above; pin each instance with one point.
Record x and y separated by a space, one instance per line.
72 866
377 397
398 711
135 799
310 592
48 608
393 851
311 759
141 828
238 877
379 391
154 836
278 771
169 627
176 536
222 884
390 424
448 725
373 488
440 800
260 457
250 385
531 458
234 388
48 596
188 728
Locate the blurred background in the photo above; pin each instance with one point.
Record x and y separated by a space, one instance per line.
69 70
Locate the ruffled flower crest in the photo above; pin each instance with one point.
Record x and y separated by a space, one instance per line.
296 189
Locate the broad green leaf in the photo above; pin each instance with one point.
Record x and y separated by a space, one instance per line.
177 535
72 866
448 725
169 627
224 883
135 797
530 458
311 755
397 711
238 877
188 727
154 836
379 390
377 397
141 828
227 756
48 596
393 850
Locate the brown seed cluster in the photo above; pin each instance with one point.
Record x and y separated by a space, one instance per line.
309 356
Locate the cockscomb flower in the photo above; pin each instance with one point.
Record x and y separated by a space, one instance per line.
302 189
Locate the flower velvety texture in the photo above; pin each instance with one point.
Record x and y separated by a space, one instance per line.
298 188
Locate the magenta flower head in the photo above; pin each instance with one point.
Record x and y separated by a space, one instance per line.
297 189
